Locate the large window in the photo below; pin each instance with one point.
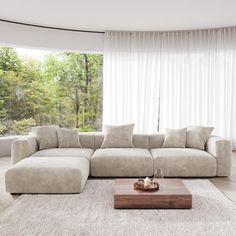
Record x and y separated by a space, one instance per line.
39 88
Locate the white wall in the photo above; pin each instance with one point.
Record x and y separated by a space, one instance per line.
28 36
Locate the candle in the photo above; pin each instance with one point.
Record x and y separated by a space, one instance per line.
147 182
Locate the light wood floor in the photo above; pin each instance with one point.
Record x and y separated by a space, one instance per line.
226 185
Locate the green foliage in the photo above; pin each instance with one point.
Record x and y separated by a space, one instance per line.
23 126
9 60
65 89
3 129
87 129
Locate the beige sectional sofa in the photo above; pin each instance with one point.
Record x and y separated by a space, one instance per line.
65 170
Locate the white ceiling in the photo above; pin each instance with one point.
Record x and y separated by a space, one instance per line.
125 15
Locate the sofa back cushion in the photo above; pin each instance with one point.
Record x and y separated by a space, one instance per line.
155 140
140 141
94 140
68 138
87 139
46 136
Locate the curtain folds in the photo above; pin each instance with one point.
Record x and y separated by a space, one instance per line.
164 80
130 80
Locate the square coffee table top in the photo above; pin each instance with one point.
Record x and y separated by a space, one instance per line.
166 187
172 194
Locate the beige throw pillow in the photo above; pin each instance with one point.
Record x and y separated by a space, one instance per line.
68 138
46 136
175 138
118 136
197 136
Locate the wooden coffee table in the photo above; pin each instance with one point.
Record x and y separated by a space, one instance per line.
172 195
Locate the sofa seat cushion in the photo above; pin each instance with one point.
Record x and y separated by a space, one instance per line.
184 162
48 175
64 152
121 162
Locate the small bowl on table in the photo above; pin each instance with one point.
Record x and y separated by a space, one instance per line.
139 185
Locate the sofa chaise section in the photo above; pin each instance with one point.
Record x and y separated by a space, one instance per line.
52 170
48 175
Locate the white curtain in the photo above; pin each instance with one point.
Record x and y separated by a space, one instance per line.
130 80
198 80
195 72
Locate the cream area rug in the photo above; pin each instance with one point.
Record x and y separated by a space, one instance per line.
92 213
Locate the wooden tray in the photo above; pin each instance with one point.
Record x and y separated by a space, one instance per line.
140 186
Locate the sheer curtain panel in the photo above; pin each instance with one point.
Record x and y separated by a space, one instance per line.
195 72
198 80
131 79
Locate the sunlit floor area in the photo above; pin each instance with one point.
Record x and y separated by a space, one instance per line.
226 185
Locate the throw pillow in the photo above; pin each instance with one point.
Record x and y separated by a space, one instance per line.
197 136
175 138
68 138
46 136
118 136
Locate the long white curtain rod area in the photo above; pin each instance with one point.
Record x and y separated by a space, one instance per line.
103 32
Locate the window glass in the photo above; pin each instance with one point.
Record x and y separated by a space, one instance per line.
40 88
